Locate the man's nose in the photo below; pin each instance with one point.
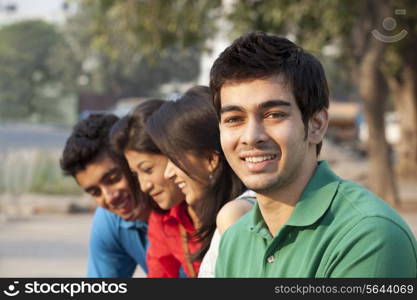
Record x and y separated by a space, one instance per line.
110 195
254 133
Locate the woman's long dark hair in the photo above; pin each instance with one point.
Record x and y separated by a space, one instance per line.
190 125
129 133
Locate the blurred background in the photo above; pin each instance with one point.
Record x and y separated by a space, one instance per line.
63 60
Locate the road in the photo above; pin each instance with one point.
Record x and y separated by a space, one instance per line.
45 246
21 135
52 245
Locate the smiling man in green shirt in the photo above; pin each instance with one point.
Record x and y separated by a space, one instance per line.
272 100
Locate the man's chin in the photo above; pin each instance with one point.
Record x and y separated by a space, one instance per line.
132 216
263 186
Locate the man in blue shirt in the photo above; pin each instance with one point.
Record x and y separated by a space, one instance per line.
118 238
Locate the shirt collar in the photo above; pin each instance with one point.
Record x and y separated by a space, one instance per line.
316 198
138 224
179 215
312 204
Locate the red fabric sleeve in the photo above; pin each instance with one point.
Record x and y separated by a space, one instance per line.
159 258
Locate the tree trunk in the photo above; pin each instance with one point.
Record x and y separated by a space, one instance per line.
373 90
405 96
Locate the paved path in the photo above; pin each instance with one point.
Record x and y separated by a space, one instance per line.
53 245
56 245
44 246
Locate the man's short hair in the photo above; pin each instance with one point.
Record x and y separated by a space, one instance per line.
88 140
258 55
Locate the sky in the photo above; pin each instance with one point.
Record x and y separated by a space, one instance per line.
48 10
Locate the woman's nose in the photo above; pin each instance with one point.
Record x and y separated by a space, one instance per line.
169 170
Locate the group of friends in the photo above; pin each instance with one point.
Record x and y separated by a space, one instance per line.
225 181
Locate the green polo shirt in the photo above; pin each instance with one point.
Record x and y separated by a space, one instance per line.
337 229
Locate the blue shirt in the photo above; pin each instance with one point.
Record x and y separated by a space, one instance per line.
116 246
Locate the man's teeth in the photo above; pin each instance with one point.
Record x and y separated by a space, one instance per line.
257 159
181 185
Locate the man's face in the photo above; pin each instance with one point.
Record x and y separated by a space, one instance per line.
104 180
262 133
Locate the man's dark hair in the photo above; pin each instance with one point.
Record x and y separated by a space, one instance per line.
88 140
258 55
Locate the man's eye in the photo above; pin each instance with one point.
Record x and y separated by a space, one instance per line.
94 192
276 115
115 177
231 120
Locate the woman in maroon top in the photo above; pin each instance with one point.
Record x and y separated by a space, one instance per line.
186 131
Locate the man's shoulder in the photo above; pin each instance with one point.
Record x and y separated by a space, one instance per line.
366 207
104 215
363 201
105 221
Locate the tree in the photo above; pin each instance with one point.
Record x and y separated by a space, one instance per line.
24 52
373 90
400 67
151 26
118 69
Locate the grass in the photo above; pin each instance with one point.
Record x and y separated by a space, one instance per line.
34 171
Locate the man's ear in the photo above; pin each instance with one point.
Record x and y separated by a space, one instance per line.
317 126
213 161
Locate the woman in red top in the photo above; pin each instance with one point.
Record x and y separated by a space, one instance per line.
169 214
186 131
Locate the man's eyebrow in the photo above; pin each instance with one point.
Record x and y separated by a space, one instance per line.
89 189
274 103
228 108
263 105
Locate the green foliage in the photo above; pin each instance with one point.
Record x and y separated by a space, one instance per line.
26 74
48 177
131 72
44 68
34 171
317 26
312 23
151 26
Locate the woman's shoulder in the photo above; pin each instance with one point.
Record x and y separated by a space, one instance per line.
234 210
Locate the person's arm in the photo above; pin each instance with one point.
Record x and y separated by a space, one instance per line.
160 260
231 212
375 247
107 258
208 264
227 216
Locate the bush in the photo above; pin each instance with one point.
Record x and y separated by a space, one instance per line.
34 171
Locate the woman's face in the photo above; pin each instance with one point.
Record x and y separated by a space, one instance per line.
150 168
194 187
